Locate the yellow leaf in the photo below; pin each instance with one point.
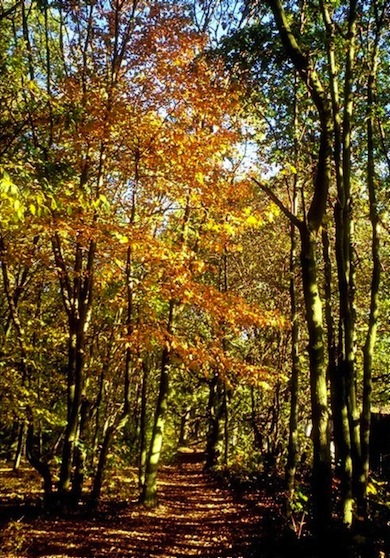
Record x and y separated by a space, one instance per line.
251 220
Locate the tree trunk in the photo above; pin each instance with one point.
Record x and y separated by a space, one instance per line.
321 481
77 298
215 433
226 437
308 231
98 480
80 453
184 429
149 491
75 391
41 466
368 351
142 426
346 432
292 450
21 445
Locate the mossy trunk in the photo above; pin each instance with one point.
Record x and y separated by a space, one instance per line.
368 351
149 491
321 474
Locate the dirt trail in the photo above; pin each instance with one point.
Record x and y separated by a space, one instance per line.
196 516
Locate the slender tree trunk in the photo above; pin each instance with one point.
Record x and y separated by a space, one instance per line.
149 491
368 351
98 480
335 392
309 231
318 385
21 445
347 267
77 297
292 450
98 404
80 453
41 466
183 433
143 425
257 432
341 375
215 432
341 431
75 391
292 455
226 437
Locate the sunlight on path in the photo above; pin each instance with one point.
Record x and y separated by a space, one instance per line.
195 517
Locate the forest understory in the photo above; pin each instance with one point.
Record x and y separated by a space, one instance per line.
198 514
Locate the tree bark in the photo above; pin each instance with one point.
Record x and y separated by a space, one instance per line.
142 426
41 466
347 432
77 297
149 490
292 450
98 480
321 474
215 415
368 350
292 455
321 481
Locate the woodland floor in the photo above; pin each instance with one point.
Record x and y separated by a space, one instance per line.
197 516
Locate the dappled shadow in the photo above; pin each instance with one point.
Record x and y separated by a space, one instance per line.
196 516
199 514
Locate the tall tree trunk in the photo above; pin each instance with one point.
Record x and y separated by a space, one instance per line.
331 346
309 232
368 350
292 455
41 465
98 480
347 431
149 490
226 437
341 436
21 445
184 427
347 269
80 452
77 298
75 392
142 425
321 481
292 450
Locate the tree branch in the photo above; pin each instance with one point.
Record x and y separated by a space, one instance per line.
294 220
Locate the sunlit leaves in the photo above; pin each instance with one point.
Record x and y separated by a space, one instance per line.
123 190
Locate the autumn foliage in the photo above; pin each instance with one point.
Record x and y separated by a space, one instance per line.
130 202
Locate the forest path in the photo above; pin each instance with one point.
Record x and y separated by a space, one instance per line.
196 516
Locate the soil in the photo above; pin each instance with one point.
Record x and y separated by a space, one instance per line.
197 515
